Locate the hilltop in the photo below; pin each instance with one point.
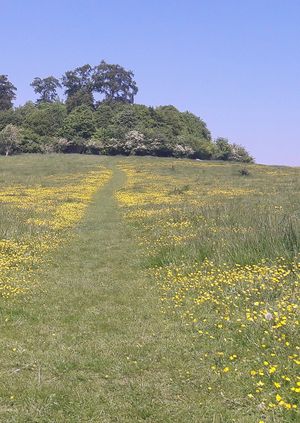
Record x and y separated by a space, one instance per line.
110 125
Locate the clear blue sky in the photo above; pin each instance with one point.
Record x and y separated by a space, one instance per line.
234 63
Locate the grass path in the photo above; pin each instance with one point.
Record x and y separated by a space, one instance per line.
93 346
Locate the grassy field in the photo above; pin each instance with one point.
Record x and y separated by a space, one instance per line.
144 289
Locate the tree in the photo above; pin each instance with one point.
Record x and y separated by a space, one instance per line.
78 87
222 149
7 93
194 125
10 140
126 119
79 123
240 154
46 119
46 88
104 115
202 148
31 142
114 82
80 98
7 117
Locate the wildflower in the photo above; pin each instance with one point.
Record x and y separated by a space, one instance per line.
277 385
268 316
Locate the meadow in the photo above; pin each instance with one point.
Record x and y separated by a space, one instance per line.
147 289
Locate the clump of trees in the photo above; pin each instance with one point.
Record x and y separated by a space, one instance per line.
99 116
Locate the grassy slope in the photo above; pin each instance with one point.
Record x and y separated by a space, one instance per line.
93 346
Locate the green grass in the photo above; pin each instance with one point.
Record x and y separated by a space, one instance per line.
91 340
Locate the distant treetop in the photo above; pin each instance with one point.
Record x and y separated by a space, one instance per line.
46 88
7 93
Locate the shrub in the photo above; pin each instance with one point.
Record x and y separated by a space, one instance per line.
94 146
244 172
10 140
62 145
136 144
45 119
222 149
79 123
30 141
7 117
109 146
240 154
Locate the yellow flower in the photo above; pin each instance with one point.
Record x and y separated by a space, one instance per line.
277 385
260 383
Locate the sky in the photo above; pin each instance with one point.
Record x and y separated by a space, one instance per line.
234 63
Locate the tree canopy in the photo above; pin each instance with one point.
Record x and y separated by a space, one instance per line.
114 82
7 93
46 88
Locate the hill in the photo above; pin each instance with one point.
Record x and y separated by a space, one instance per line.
148 289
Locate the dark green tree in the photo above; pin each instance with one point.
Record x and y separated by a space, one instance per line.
168 117
79 123
46 119
104 115
194 125
126 119
78 87
7 117
222 149
114 82
82 97
46 88
7 93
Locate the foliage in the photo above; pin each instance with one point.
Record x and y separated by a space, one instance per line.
114 82
7 117
7 93
79 123
222 149
63 145
46 119
93 146
46 88
239 154
78 87
113 125
31 142
82 97
10 140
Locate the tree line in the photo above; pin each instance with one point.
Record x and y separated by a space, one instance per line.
99 116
